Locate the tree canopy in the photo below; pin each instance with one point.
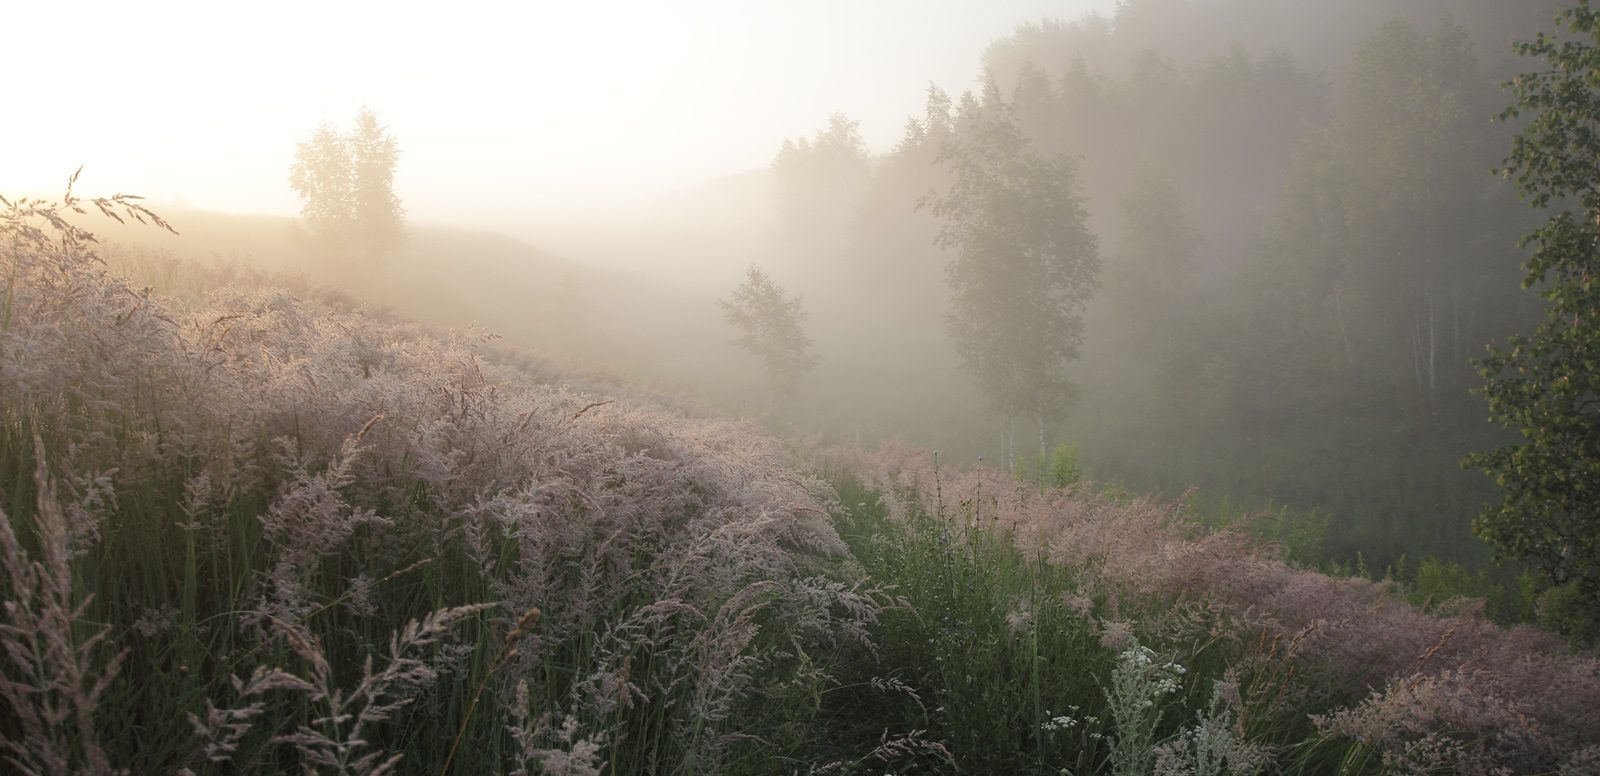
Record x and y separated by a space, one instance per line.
1547 384
816 183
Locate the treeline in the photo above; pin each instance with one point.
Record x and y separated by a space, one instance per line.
1305 248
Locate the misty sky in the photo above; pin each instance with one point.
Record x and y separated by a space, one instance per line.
500 108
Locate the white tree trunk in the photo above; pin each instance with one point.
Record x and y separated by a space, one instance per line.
1011 445
1338 306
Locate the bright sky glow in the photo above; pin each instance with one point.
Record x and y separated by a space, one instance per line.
500 108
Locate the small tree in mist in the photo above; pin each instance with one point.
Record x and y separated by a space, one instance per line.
346 184
772 324
1026 264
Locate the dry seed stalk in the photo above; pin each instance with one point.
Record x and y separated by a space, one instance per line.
622 697
348 593
507 653
590 406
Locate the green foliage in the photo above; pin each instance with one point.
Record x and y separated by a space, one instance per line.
772 324
1569 610
1300 534
986 640
1437 581
1059 470
346 183
1064 468
1546 384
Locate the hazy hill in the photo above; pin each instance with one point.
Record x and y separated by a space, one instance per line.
460 279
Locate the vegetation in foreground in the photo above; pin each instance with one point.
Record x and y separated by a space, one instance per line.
1031 600
263 533
259 533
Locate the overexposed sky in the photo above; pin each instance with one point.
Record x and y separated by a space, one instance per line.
500 108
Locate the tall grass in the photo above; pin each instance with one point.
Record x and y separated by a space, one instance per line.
990 641
1319 674
310 532
1024 666
255 531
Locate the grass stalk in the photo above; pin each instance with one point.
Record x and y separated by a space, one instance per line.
507 653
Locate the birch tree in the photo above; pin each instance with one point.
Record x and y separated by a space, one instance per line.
1026 265
345 180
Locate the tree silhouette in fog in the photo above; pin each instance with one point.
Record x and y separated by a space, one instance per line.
1149 295
816 183
772 324
346 184
1026 264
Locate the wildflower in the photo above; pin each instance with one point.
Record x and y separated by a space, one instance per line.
1054 724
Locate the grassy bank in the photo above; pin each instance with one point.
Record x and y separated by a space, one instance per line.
247 530
260 531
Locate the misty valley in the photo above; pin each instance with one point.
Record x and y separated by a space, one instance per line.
1209 389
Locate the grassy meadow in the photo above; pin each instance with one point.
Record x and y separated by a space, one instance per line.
250 526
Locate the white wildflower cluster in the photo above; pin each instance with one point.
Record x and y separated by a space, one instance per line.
1054 724
1138 683
1138 665
1211 746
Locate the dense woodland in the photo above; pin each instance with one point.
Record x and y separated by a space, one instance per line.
1305 248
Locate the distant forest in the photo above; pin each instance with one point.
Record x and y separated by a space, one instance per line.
1304 247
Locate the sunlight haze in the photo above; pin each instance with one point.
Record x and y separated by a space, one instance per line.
502 110
1102 387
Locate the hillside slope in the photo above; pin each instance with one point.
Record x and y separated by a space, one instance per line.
451 278
251 494
255 530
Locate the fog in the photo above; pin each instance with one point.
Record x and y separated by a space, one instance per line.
506 110
1300 247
